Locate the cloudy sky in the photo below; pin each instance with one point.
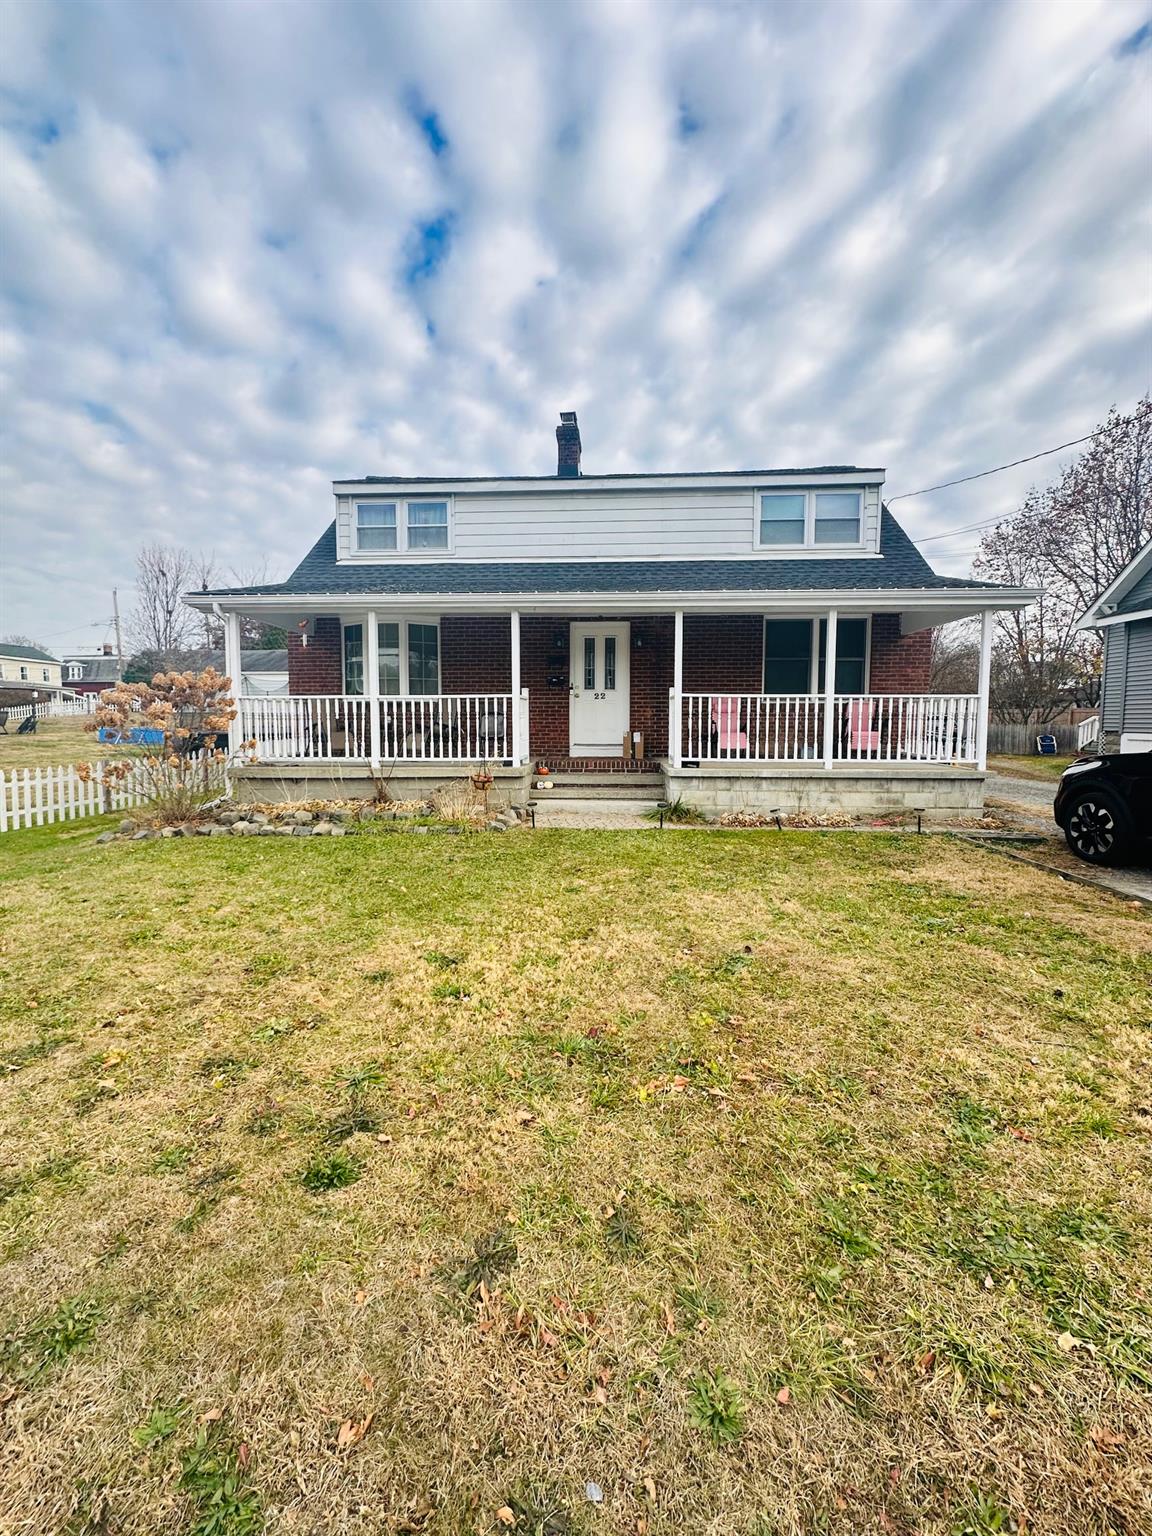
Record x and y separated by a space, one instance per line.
252 245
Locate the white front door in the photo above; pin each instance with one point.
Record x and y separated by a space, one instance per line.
599 712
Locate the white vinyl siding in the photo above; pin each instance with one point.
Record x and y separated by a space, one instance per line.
709 523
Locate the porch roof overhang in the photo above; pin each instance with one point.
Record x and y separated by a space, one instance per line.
919 608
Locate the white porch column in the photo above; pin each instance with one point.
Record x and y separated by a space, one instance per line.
233 666
372 685
983 687
830 689
676 720
518 746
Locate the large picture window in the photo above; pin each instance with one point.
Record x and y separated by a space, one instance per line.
408 653
795 652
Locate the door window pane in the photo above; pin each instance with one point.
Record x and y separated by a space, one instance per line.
609 661
851 652
353 658
782 518
388 648
375 525
589 661
427 525
787 655
423 658
837 517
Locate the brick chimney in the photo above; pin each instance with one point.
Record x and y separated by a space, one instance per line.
107 648
568 445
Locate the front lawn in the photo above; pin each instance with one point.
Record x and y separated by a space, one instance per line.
53 743
745 1184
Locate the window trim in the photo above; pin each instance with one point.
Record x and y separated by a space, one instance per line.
809 492
814 621
403 619
402 551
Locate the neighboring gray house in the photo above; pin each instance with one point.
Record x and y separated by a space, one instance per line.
1124 615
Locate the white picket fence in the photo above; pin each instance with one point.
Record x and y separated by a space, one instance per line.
35 797
54 708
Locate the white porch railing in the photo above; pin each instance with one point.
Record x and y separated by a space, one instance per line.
789 727
1087 732
434 727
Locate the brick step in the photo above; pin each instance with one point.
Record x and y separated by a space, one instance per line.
600 765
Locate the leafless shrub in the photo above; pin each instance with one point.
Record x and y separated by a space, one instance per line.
184 714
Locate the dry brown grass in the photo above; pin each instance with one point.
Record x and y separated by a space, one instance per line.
857 1128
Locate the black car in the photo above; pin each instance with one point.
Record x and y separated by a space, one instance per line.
1104 806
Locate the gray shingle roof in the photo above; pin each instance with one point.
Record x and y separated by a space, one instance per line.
26 652
900 567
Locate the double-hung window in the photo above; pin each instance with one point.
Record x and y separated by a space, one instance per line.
375 525
804 519
400 527
408 653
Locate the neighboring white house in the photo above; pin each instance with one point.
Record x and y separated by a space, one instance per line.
1124 615
26 669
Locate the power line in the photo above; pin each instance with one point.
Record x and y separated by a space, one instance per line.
1043 454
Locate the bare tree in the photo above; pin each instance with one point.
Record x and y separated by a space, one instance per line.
1070 540
955 658
20 640
160 622
255 635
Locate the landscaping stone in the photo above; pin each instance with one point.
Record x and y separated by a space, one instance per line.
497 826
339 832
284 831
267 831
242 828
258 817
218 831
322 829
107 837
301 830
229 818
172 832
144 832
302 818
127 825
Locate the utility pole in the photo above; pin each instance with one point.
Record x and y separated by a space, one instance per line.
119 638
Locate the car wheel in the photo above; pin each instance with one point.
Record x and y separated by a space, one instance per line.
1097 828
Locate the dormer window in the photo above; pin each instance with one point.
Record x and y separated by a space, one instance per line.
401 527
375 525
427 525
803 519
837 517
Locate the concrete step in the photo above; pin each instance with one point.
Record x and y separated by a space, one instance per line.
573 809
646 787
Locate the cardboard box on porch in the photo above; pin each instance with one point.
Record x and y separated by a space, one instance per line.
633 746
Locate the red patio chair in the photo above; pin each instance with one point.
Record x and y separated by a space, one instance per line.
726 733
861 736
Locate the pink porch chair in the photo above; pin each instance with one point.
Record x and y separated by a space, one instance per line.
861 736
726 733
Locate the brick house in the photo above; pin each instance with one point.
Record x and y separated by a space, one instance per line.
756 638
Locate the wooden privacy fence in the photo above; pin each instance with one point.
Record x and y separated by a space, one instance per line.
35 797
1020 740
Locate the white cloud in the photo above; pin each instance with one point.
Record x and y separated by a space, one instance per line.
248 248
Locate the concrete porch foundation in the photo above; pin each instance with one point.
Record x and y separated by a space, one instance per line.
887 787
276 782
